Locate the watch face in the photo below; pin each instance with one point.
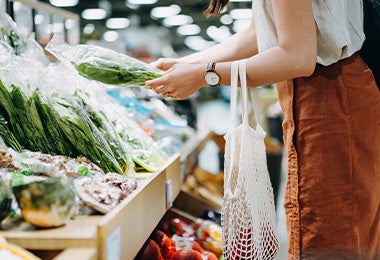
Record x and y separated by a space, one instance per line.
212 78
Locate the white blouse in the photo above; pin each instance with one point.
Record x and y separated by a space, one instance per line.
339 27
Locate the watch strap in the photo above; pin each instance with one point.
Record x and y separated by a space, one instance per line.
211 66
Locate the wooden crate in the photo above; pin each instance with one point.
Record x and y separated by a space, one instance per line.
116 235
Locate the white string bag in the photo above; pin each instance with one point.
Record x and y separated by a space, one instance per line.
248 212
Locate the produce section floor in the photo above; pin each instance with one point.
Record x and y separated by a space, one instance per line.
215 115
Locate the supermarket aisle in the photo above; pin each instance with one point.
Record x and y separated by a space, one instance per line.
215 116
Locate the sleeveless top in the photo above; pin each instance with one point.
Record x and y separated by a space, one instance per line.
339 25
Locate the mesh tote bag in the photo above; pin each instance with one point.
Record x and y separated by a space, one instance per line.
248 213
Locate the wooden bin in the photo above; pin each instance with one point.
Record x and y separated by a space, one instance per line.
117 235
122 232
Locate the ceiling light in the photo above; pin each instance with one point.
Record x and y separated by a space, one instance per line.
241 13
218 34
70 24
64 3
89 29
117 23
188 29
142 2
165 11
226 19
240 0
110 36
94 14
240 25
177 20
132 6
197 43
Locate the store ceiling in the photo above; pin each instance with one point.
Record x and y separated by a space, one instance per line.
142 14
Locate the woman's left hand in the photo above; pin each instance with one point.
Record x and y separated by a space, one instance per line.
180 81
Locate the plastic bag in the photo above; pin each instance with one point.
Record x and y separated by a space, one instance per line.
21 45
102 64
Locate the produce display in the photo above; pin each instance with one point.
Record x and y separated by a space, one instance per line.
41 112
177 238
47 191
68 148
169 130
102 64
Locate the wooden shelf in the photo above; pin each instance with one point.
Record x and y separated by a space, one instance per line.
121 233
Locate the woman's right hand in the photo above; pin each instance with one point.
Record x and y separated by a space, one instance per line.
164 63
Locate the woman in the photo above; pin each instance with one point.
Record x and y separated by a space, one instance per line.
331 108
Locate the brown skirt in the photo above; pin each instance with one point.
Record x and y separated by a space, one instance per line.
332 137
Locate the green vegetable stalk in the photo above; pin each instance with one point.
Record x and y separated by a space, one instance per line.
114 74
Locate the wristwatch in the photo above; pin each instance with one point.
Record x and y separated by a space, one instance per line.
211 77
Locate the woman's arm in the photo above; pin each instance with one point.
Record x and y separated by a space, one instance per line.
241 45
295 55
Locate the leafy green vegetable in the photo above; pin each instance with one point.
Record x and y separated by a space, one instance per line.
60 143
29 121
84 136
7 135
114 74
10 37
117 145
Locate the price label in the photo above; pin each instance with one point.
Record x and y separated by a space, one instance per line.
169 193
114 245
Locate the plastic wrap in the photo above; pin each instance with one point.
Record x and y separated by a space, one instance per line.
102 64
12 36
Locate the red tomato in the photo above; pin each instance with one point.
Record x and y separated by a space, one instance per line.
187 254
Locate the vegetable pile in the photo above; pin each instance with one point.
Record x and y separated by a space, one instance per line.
49 108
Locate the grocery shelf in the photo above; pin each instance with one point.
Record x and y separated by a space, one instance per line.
120 233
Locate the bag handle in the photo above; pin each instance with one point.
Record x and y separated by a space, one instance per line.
257 106
238 70
233 116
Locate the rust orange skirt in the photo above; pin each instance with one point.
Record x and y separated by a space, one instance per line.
332 137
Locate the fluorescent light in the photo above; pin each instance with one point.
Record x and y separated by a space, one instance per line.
89 29
165 11
110 36
240 0
94 14
142 2
177 20
117 23
218 34
64 3
197 43
70 24
188 29
241 13
241 25
226 19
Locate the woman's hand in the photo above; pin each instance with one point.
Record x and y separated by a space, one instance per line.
180 81
164 63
